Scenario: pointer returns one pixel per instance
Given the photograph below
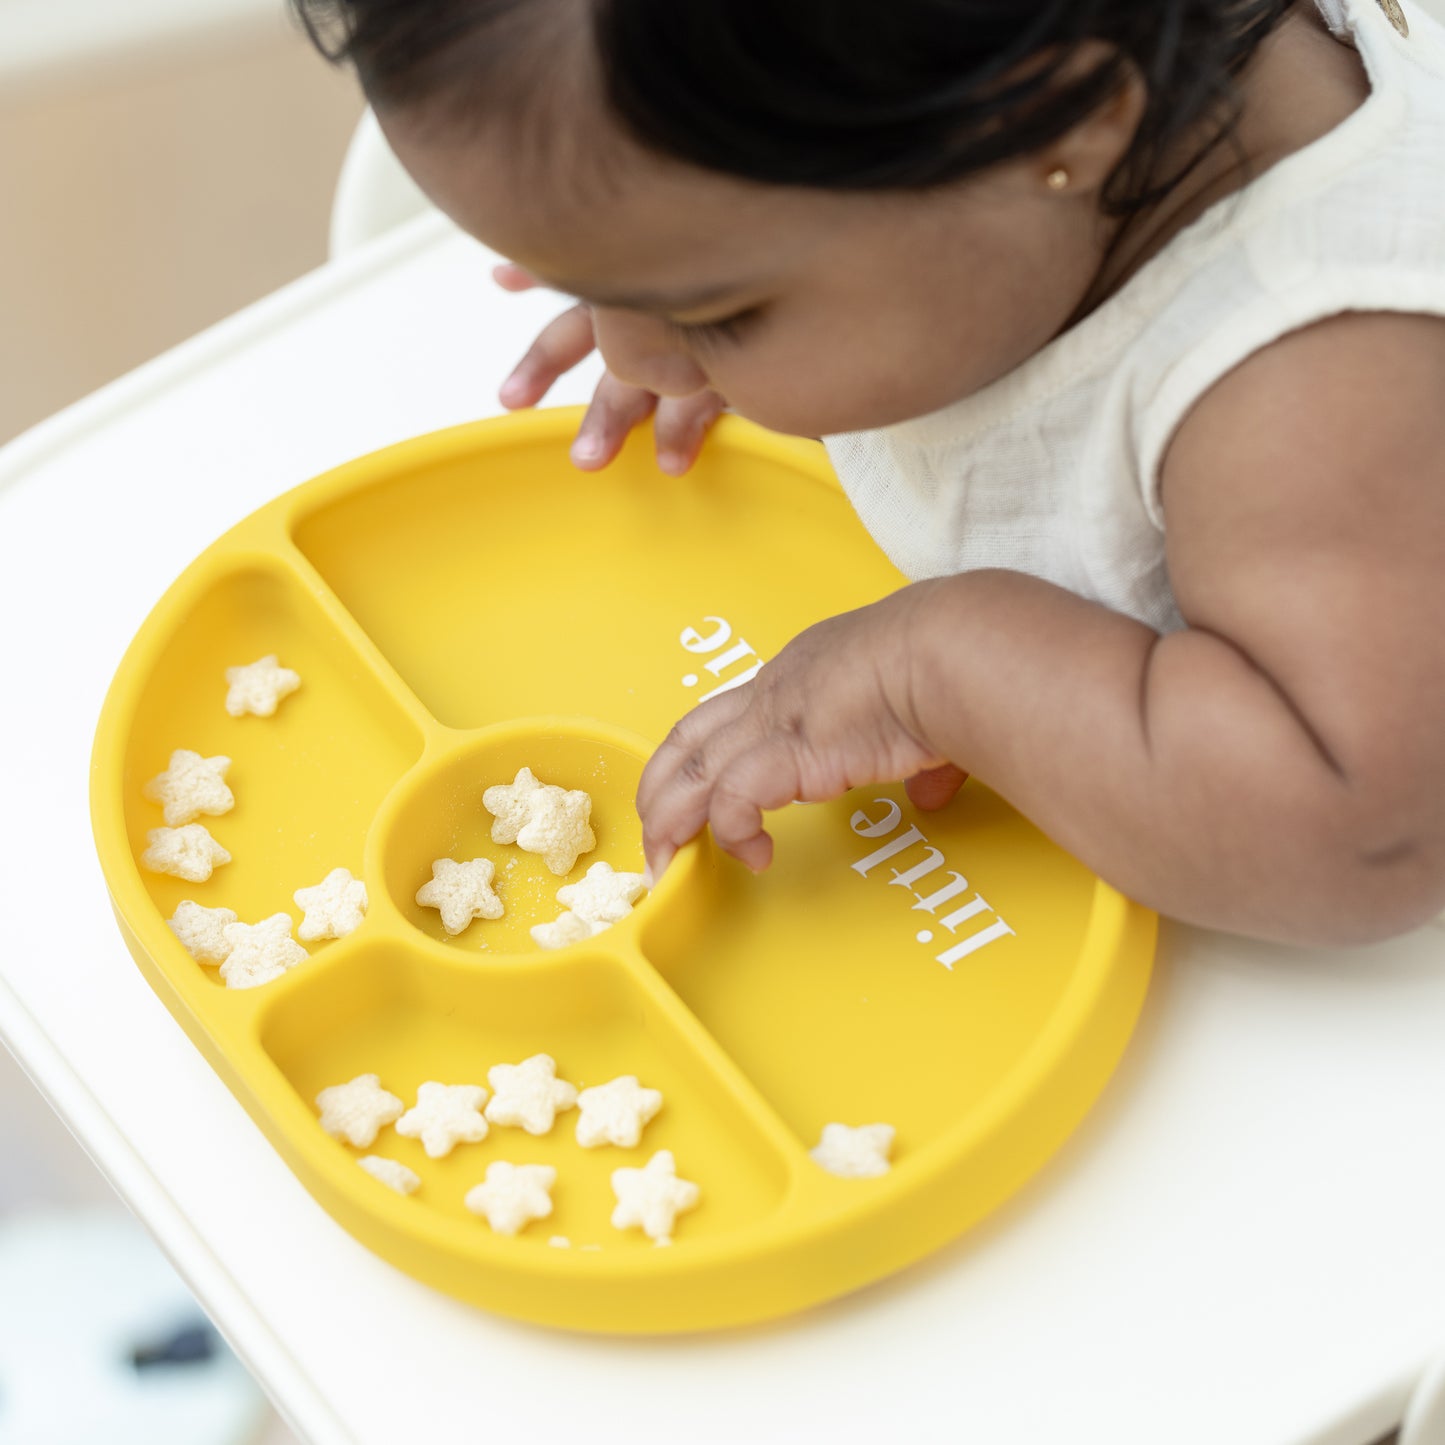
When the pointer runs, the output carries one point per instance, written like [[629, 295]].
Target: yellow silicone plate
[[465, 604]]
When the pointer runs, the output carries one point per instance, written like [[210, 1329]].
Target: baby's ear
[[1090, 151]]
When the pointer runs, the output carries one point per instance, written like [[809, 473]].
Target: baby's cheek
[[830, 389], [794, 401]]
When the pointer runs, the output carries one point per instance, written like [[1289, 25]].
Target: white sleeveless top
[[1053, 469]]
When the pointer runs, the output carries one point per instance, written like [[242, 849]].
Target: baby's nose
[[643, 351]]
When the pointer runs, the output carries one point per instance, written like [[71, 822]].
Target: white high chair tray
[[1242, 1243]]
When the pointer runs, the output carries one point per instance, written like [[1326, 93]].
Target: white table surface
[[1245, 1242]]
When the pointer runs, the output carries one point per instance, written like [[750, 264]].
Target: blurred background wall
[[162, 163]]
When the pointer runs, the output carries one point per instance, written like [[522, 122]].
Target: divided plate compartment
[[466, 604]]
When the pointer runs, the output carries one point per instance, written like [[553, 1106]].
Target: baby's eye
[[726, 328]]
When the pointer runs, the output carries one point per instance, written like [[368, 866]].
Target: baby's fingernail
[[652, 873], [512, 391], [586, 449], [673, 463]]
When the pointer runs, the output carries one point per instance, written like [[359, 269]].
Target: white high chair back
[[373, 192]]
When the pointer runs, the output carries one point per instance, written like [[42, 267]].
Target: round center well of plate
[[440, 813]]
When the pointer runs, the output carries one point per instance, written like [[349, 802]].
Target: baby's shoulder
[[1327, 443]]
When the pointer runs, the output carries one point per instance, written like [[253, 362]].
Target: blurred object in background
[[86, 1298], [101, 1342], [162, 164]]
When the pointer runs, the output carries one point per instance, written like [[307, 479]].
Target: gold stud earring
[[1057, 179]]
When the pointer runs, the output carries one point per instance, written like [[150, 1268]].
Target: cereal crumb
[[445, 1115], [202, 931], [529, 1095], [259, 687], [260, 951], [191, 785], [560, 1241], [461, 892], [333, 908], [542, 818], [860, 1153], [602, 895], [513, 1195], [510, 805], [188, 852], [615, 1112], [652, 1197], [559, 830], [565, 929], [392, 1173], [356, 1111]]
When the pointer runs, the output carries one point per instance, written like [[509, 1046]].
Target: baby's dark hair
[[836, 94]]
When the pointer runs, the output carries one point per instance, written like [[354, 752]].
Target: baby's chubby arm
[[1305, 503], [1278, 768]]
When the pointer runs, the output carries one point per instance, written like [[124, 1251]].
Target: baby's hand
[[566, 340], [831, 712]]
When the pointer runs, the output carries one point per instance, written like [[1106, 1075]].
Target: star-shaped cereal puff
[[189, 852], [860, 1153], [462, 892], [615, 1112], [445, 1115], [202, 931], [356, 1111], [190, 786], [511, 804], [260, 951], [558, 828], [603, 895], [259, 687], [564, 929], [334, 907], [529, 1094], [652, 1197], [513, 1195], [392, 1173]]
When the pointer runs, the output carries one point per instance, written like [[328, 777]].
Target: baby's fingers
[[681, 425], [762, 777], [673, 793], [615, 409], [560, 345], [512, 277]]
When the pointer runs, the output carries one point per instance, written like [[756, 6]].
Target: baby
[[1124, 325]]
